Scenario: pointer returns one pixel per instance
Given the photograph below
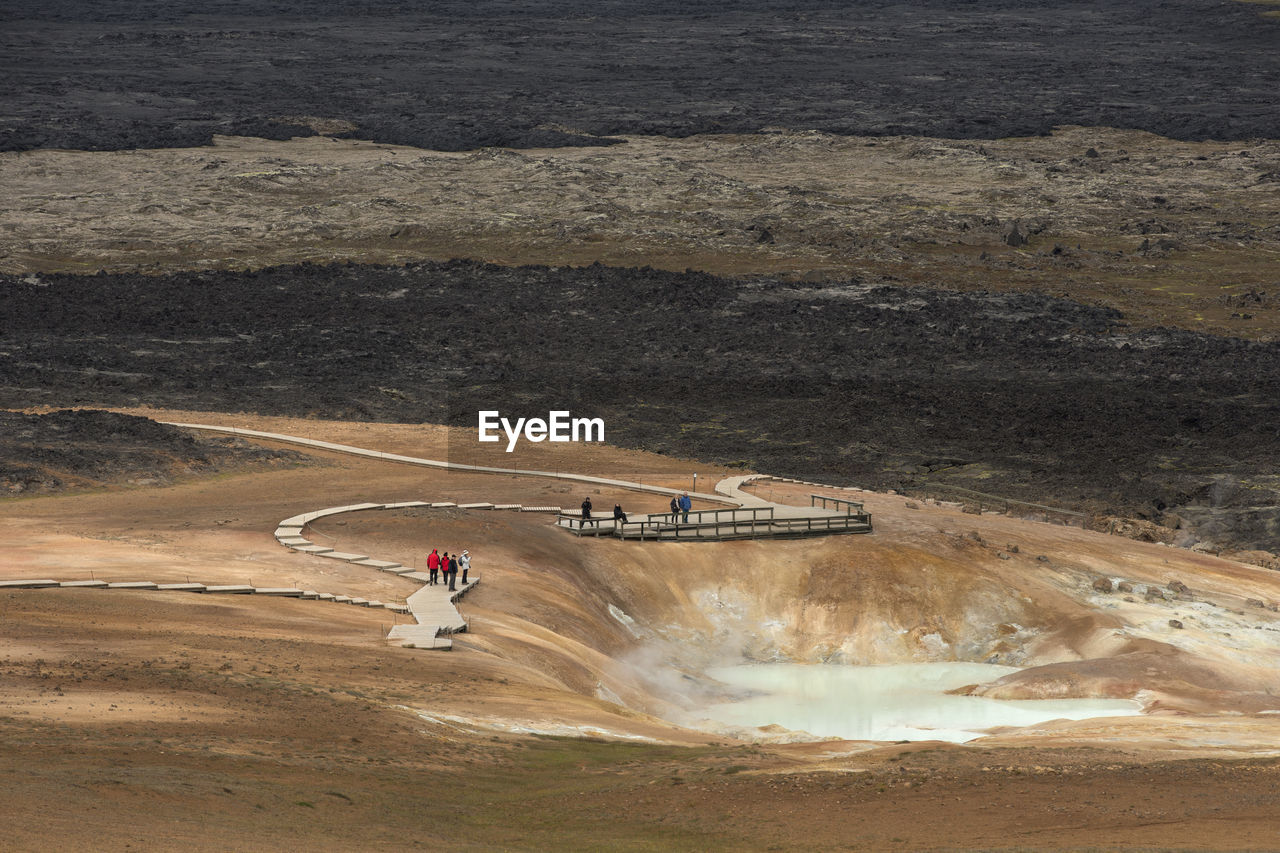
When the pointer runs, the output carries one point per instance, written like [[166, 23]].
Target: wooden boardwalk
[[752, 518], [433, 607]]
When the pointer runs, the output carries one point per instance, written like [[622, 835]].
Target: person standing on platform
[[685, 506], [433, 566], [464, 563], [675, 509], [453, 574], [586, 510]]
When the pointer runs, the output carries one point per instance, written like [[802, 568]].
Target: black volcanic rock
[[43, 453], [453, 75]]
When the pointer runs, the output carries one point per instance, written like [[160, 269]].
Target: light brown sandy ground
[[166, 720], [1171, 233]]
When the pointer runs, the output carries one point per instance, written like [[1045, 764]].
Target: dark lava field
[[1016, 394], [456, 75], [45, 453]]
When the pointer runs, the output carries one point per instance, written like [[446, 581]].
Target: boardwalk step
[[28, 584], [338, 510], [376, 564]]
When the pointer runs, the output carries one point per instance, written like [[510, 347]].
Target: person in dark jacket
[[586, 510], [675, 510], [453, 574], [619, 517]]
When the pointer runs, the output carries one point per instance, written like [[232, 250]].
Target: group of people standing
[[680, 507], [442, 568]]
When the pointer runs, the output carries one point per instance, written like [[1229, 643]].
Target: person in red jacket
[[433, 566]]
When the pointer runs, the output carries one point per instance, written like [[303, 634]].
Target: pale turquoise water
[[893, 702]]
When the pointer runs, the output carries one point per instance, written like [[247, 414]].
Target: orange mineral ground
[[565, 717]]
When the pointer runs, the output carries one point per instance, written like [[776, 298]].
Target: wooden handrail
[[848, 504], [716, 524]]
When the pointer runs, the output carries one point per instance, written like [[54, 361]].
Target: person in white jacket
[[464, 563]]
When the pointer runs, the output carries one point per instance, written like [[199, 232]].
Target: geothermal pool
[[892, 702]]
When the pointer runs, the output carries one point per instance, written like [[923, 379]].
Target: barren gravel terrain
[[1169, 233]]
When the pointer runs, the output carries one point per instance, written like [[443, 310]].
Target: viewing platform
[[760, 520]]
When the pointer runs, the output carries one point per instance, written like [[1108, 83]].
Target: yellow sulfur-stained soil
[[563, 717]]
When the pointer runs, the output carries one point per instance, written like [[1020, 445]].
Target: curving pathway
[[728, 491], [731, 487], [455, 466]]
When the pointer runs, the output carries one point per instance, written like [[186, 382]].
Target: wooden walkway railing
[[849, 506], [722, 523], [718, 524], [859, 522]]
